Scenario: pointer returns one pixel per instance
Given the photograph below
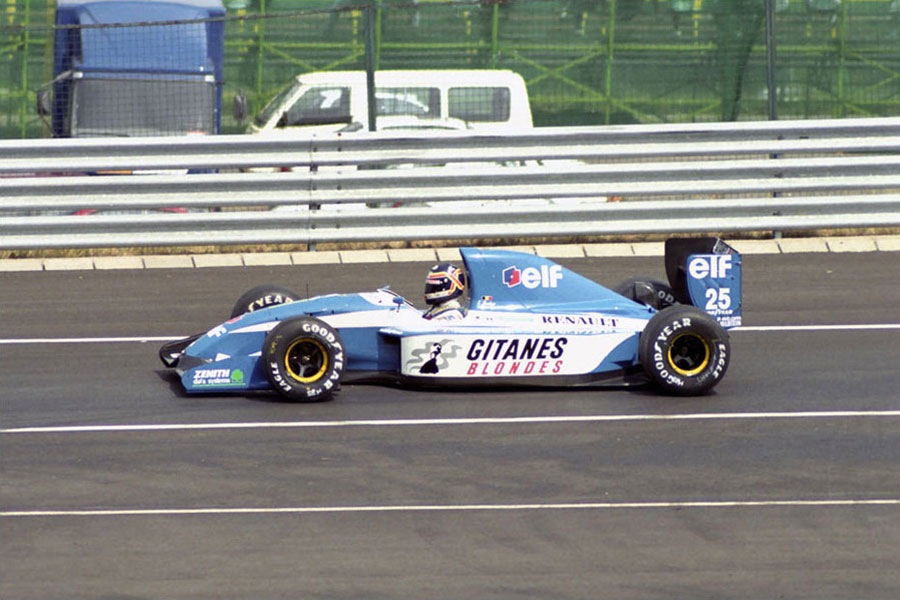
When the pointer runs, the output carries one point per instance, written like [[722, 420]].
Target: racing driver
[[444, 285]]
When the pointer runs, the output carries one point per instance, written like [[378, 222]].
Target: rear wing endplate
[[706, 272]]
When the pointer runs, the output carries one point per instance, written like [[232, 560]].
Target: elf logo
[[547, 276], [715, 266]]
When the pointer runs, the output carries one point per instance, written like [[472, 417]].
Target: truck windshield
[[275, 104], [142, 107]]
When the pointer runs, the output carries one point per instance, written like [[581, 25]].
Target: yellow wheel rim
[[306, 360], [689, 354]]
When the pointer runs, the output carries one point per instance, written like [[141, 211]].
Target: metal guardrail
[[685, 178]]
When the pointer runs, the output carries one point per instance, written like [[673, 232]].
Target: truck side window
[[416, 101], [319, 106], [479, 103]]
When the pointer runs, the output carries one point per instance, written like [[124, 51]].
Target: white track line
[[87, 340], [450, 508], [838, 414], [862, 327]]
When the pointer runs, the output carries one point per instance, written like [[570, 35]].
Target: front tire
[[684, 351], [303, 359]]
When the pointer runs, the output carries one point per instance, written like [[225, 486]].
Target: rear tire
[[303, 359], [684, 351], [647, 291], [262, 296]]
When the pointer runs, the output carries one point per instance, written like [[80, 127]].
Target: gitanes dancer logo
[[433, 357]]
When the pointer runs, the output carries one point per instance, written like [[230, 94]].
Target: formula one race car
[[529, 322]]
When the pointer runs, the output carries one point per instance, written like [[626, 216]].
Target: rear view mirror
[[240, 107], [43, 106]]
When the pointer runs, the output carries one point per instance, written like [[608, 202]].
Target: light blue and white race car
[[529, 321]]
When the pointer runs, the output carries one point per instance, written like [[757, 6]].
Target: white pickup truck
[[330, 101]]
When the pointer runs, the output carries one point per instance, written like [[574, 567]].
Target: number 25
[[718, 299]]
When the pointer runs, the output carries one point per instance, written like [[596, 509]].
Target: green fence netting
[[584, 61]]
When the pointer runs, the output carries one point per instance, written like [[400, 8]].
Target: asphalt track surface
[[785, 483]]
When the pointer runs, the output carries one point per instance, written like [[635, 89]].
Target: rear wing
[[706, 272]]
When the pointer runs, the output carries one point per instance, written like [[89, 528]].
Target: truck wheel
[[262, 296], [647, 291], [684, 351], [303, 359]]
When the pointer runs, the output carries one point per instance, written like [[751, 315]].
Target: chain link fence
[[585, 62]]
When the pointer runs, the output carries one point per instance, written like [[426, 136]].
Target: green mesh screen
[[584, 61]]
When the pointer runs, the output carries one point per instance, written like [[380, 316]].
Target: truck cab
[[136, 68]]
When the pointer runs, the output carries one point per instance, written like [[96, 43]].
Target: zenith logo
[[547, 276]]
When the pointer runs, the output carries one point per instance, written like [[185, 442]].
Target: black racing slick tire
[[262, 296], [684, 351], [303, 359], [648, 291]]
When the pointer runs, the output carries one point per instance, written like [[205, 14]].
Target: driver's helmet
[[445, 282]]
